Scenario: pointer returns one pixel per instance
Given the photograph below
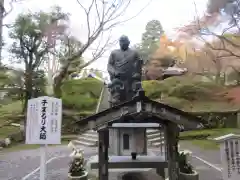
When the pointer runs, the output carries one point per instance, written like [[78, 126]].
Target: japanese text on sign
[[44, 118], [43, 132]]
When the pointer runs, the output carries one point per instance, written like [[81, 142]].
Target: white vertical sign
[[55, 120], [32, 121], [44, 121], [230, 157]]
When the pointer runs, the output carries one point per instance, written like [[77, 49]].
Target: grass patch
[[211, 133], [206, 144], [19, 147], [11, 109], [8, 130]]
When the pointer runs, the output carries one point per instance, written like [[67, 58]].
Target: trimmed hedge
[[206, 133], [220, 119], [180, 87], [81, 94]]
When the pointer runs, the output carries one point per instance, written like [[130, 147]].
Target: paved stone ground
[[205, 171], [211, 156], [16, 165]]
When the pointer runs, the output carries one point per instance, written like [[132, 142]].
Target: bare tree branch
[[107, 14]]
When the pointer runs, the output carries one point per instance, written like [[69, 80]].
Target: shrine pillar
[[171, 135], [103, 144]]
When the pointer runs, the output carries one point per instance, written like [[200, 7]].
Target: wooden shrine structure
[[141, 110]]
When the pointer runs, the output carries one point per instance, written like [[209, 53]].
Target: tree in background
[[150, 39], [30, 45], [15, 84], [64, 69], [100, 19], [168, 54], [36, 36], [222, 48]]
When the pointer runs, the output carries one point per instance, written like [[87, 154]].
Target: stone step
[[84, 143], [154, 135], [152, 131], [157, 139], [90, 138], [90, 135], [87, 139], [157, 144]]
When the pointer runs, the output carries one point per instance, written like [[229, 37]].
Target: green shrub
[[174, 102], [189, 91], [82, 86], [193, 90], [154, 88], [81, 94]]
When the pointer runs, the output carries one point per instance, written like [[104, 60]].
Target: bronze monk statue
[[125, 71]]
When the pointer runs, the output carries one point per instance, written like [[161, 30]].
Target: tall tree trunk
[[28, 88], [28, 94], [59, 79]]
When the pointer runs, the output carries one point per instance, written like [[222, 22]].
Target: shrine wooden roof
[[142, 110]]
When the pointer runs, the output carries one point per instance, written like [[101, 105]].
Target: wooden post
[[161, 171], [145, 142], [172, 133], [103, 144]]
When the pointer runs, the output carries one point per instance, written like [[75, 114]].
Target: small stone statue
[[76, 169], [125, 71]]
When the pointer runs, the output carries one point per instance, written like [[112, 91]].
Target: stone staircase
[[155, 138], [90, 138]]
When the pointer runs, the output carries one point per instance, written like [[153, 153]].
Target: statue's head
[[124, 42]]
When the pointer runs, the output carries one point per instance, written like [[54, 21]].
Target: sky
[[171, 14]]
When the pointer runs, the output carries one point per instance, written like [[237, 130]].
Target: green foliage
[[150, 39], [13, 108], [68, 46], [189, 91], [7, 130], [16, 84], [29, 35], [187, 88], [81, 94], [32, 39], [154, 88], [174, 101], [213, 133], [193, 90], [180, 92], [39, 83]]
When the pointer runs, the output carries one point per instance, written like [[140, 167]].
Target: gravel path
[[16, 165], [206, 172]]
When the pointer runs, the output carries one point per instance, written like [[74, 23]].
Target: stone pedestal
[[83, 177]]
